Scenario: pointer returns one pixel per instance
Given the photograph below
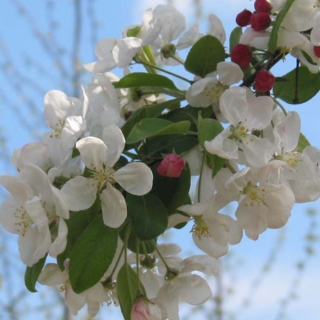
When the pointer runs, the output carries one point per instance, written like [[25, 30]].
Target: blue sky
[[17, 119]]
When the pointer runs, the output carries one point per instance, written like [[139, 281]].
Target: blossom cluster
[[114, 171]]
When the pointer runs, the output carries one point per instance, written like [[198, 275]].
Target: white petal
[[194, 289], [51, 275], [113, 138], [135, 177], [114, 207], [18, 189], [60, 243], [232, 97], [125, 50], [229, 72], [79, 193], [104, 48], [93, 152], [217, 28]]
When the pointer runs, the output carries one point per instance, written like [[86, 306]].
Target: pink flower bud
[[264, 81], [260, 21], [144, 310], [316, 50], [171, 166], [262, 6], [243, 18], [241, 55]]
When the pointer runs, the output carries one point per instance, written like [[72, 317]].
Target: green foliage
[[298, 89], [32, 274], [174, 192], [272, 46], [303, 142], [148, 215], [204, 56], [155, 147], [77, 224], [156, 127], [208, 129], [129, 288], [141, 79], [92, 255], [235, 37]]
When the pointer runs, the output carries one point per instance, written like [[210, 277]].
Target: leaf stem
[[166, 71]]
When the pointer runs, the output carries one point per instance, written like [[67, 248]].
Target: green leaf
[[156, 127], [92, 255], [152, 111], [307, 87], [129, 288], [142, 79], [32, 274], [204, 56], [208, 129], [155, 147], [235, 37], [135, 244], [174, 192], [272, 46], [148, 215], [303, 142], [77, 223]]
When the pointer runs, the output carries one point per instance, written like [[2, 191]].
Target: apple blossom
[[80, 193]]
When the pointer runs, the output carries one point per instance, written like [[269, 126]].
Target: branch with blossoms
[[114, 173]]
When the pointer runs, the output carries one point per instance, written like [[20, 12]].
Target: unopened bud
[[241, 55], [145, 310], [260, 21], [243, 18], [264, 81], [316, 50], [171, 166], [262, 6]]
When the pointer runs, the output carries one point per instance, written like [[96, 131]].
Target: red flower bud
[[262, 6], [171, 166], [316, 50], [243, 18], [260, 21], [264, 81], [241, 55]]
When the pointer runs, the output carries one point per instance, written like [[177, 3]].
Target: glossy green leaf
[[129, 288], [174, 192], [303, 142], [149, 217], [235, 37], [204, 56], [77, 224], [92, 255], [307, 87], [32, 274], [155, 147], [142, 79], [208, 129], [135, 244], [273, 41], [156, 127], [152, 111]]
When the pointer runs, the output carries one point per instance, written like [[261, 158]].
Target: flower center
[[23, 220], [200, 228], [102, 176], [291, 159], [214, 92], [255, 195], [57, 128], [239, 132]]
